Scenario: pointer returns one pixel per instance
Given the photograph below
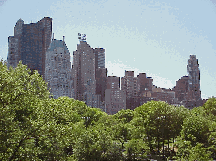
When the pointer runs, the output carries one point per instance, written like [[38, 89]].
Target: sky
[[155, 37]]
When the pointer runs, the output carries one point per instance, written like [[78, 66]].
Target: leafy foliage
[[34, 126]]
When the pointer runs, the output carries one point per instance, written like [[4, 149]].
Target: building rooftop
[[57, 43]]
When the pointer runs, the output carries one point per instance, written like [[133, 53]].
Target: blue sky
[[153, 37]]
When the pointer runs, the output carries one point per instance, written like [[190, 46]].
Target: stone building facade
[[58, 69]]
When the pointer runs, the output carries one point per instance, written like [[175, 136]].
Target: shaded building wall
[[113, 82], [100, 76], [181, 88], [101, 82], [144, 83], [166, 96], [133, 87], [115, 99], [33, 42], [14, 55]]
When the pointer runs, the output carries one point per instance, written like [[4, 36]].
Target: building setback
[[58, 69], [29, 44]]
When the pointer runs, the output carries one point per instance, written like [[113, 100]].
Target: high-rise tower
[[194, 93], [84, 72], [58, 69], [129, 84], [29, 44], [194, 77]]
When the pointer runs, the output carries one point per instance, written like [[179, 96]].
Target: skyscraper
[[194, 78], [29, 44], [58, 69], [89, 74], [84, 73], [194, 93], [129, 84]]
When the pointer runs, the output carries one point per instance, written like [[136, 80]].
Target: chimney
[[63, 38], [53, 36]]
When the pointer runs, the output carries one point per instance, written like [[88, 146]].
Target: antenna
[[82, 37]]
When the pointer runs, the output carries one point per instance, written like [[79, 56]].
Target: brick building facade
[[115, 99]]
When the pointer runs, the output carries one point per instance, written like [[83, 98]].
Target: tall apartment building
[[145, 83], [89, 74], [194, 78], [145, 86], [100, 76], [58, 69], [194, 93], [84, 74], [29, 44], [181, 88], [115, 99], [131, 86], [163, 94]]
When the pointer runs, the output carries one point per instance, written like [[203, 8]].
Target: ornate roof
[[57, 43]]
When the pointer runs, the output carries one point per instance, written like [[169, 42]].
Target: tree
[[126, 115], [186, 151], [196, 129], [136, 149], [160, 122], [210, 106], [95, 143], [24, 111]]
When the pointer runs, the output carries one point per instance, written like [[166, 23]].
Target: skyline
[[154, 38]]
